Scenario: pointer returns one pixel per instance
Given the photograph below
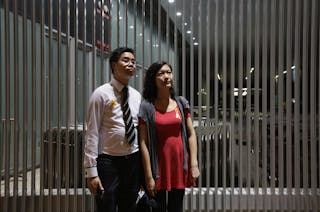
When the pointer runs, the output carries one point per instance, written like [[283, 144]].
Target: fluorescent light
[[178, 13], [171, 1]]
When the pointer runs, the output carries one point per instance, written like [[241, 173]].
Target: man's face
[[125, 67]]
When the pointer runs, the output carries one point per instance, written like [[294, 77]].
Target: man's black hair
[[115, 54]]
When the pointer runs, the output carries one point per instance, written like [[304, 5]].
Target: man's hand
[[94, 185]]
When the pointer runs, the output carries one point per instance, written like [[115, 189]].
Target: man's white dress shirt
[[105, 126]]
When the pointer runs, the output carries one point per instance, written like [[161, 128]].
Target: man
[[111, 157]]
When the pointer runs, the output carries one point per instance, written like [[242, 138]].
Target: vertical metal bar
[[2, 91], [216, 100], [135, 24], [232, 104], [15, 108], [183, 32], [224, 102], [198, 22], [75, 98], [118, 23], [264, 100], [240, 104], [34, 116], [288, 105], [108, 44], [7, 106], [49, 110], [42, 99], [249, 70], [102, 71], [151, 32], [101, 36], [313, 113], [191, 56], [305, 100], [200, 93], [143, 42], [93, 29], [192, 72], [126, 23], [297, 117], [58, 141], [24, 102], [33, 107], [175, 43], [68, 109], [167, 34], [208, 106], [159, 32], [208, 58], [93, 70], [318, 117], [272, 126], [143, 16], [280, 105], [257, 102], [84, 103]]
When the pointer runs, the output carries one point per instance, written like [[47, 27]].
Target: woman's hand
[[194, 173], [151, 186]]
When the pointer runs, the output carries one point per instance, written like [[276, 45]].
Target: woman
[[167, 140]]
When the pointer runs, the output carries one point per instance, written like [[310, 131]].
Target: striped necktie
[[127, 116]]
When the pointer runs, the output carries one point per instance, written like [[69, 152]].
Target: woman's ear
[[112, 65]]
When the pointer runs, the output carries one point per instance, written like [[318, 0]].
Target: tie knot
[[124, 89]]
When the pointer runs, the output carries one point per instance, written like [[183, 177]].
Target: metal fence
[[250, 69]]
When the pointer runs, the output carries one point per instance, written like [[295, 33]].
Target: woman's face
[[164, 77]]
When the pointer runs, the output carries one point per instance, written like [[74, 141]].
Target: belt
[[118, 157]]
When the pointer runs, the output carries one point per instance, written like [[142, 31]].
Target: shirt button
[[121, 142]]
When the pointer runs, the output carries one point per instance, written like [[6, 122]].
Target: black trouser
[[172, 203], [119, 176]]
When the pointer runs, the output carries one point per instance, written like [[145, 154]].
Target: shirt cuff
[[91, 172]]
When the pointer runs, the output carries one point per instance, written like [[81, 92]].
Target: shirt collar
[[118, 85]]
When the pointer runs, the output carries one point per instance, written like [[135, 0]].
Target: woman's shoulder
[[182, 100], [146, 103]]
